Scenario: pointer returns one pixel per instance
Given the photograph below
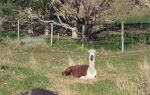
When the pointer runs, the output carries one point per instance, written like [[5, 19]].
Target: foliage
[[9, 11], [6, 34], [93, 13]]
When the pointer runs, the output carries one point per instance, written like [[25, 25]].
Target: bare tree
[[86, 12], [70, 13], [142, 2]]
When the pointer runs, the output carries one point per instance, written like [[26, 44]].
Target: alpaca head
[[92, 55]]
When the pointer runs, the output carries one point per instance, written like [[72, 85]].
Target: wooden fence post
[[51, 34], [122, 36]]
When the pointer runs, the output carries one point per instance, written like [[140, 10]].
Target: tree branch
[[52, 21]]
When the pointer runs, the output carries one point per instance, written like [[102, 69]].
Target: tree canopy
[[70, 12]]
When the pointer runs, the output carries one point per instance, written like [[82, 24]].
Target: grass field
[[25, 68]]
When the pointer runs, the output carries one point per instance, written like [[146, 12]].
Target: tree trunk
[[30, 28], [88, 32], [46, 30], [74, 33], [1, 23]]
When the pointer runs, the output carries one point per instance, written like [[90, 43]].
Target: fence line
[[104, 38]]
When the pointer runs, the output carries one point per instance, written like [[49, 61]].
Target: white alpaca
[[91, 72]]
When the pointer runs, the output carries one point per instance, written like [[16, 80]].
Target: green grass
[[25, 68], [6, 35], [132, 20], [14, 78], [100, 88]]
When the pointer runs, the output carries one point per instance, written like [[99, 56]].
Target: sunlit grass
[[24, 68]]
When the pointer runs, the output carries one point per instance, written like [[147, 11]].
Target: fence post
[[122, 36], [83, 30], [18, 37], [51, 34], [57, 36]]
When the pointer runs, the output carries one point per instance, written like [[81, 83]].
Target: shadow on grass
[[39, 91]]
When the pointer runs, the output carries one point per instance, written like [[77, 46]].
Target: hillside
[[128, 11], [120, 9]]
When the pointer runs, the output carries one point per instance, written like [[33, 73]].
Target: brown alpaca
[[76, 71], [83, 71]]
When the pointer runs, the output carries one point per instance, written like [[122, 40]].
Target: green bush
[[6, 34]]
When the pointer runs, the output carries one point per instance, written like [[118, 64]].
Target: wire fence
[[106, 36]]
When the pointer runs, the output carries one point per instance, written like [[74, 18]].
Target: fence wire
[[106, 36]]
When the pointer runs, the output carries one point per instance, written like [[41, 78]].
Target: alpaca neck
[[91, 66]]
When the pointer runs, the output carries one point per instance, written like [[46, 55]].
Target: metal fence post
[[122, 36], [51, 34], [83, 30], [58, 36], [18, 35]]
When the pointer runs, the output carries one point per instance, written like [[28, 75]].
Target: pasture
[[24, 68]]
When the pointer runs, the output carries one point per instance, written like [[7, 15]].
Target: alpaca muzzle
[[91, 57]]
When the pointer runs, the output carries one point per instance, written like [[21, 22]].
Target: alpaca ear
[[89, 51], [92, 50]]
